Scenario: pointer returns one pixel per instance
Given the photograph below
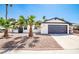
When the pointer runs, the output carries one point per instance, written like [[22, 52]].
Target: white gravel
[[67, 41]]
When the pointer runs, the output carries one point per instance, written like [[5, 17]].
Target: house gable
[[57, 21]]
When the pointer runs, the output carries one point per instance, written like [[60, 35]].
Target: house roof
[[57, 20]]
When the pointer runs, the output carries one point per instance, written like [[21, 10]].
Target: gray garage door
[[57, 29]]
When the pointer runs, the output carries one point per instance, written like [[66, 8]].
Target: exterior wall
[[28, 27], [71, 29], [33, 29], [44, 28], [67, 28], [27, 30]]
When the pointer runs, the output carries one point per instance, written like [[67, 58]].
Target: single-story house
[[56, 26], [26, 29]]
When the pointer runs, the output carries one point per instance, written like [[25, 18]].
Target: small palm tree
[[77, 27], [21, 22], [6, 24], [6, 21], [12, 19], [13, 23], [44, 18], [38, 24], [31, 23]]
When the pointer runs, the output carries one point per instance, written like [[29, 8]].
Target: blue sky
[[69, 12]]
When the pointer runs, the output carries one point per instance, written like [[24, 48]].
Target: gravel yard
[[22, 42]]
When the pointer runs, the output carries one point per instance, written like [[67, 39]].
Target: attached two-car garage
[[55, 26], [57, 29]]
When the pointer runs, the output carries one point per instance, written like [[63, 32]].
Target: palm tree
[[21, 22], [37, 24], [31, 23], [13, 23], [43, 18], [7, 9], [6, 24], [77, 27], [12, 19]]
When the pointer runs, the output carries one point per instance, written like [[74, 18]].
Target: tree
[[21, 22], [77, 27], [5, 21], [38, 23], [31, 23], [43, 18], [12, 19], [6, 24], [7, 9], [13, 23]]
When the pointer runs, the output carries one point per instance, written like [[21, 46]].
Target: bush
[[78, 28]]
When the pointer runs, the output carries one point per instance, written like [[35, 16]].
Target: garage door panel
[[57, 29]]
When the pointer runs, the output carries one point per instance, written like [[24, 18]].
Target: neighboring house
[[56, 26], [2, 29], [34, 29], [75, 26], [26, 29]]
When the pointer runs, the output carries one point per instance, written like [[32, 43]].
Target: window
[[25, 28], [35, 27]]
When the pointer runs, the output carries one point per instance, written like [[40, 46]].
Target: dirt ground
[[21, 41]]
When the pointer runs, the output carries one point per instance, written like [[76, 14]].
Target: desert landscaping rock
[[22, 42]]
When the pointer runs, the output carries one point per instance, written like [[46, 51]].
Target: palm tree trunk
[[6, 30], [5, 33], [30, 31], [6, 11]]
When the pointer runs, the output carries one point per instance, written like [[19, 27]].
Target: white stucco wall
[[28, 27], [44, 28], [71, 29], [27, 30]]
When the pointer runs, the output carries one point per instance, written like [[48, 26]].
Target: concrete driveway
[[67, 41]]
